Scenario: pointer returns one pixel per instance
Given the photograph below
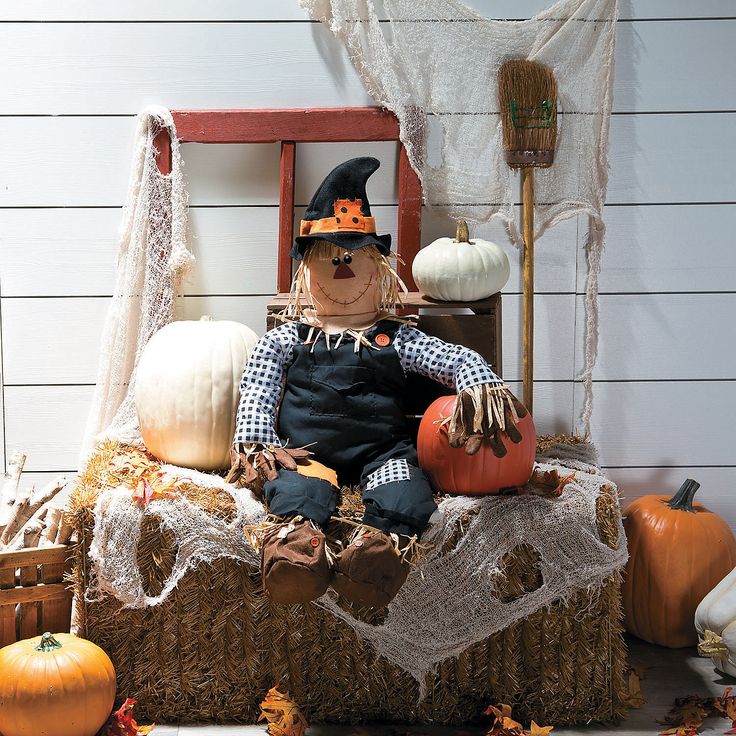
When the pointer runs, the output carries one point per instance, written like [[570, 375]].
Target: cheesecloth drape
[[435, 63], [153, 257]]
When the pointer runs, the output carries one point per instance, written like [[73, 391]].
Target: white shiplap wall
[[73, 75]]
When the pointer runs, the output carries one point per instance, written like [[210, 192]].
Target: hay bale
[[212, 649]]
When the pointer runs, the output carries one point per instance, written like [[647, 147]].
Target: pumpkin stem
[[683, 499], [461, 233], [48, 643]]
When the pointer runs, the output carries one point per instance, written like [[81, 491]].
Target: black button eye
[[336, 261], [343, 209], [348, 258]]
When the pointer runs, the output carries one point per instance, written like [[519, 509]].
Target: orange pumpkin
[[452, 470], [55, 685], [678, 552]]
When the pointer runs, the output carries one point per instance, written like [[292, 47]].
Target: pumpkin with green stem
[[678, 551], [55, 685]]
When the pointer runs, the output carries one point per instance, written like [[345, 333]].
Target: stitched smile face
[[342, 280]]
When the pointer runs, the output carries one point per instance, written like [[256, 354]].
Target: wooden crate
[[33, 596]]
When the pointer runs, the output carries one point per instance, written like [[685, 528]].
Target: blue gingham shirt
[[262, 384]]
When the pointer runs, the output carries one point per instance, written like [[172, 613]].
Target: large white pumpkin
[[715, 621], [460, 270], [187, 390]]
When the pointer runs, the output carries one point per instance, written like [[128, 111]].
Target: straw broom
[[527, 93]]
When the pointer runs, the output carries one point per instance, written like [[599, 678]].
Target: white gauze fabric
[[453, 603], [200, 537], [435, 64], [445, 606], [152, 260]]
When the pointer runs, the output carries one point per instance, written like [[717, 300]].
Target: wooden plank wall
[[74, 74]]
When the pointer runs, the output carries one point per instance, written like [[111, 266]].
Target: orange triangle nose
[[343, 271]]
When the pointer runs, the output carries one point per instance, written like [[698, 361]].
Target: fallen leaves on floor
[[687, 714], [726, 706], [504, 725], [632, 696], [122, 723], [282, 714]]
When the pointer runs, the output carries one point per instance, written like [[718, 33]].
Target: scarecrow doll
[[326, 388]]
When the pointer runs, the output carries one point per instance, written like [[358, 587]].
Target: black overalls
[[347, 407]]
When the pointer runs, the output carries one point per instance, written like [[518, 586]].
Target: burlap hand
[[253, 464], [484, 412]]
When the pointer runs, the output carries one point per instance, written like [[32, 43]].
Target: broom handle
[[527, 198]]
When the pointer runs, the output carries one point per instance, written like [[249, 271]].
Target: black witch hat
[[340, 212]]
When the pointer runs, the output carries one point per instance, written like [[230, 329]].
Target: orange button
[[382, 340], [314, 541]]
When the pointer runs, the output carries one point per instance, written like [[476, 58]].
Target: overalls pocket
[[343, 391]]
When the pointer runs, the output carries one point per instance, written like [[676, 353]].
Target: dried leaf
[[680, 731], [726, 705], [632, 697], [146, 492], [548, 483], [536, 730], [122, 723], [282, 714], [503, 724], [687, 715]]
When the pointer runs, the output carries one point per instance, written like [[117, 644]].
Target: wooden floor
[[669, 674]]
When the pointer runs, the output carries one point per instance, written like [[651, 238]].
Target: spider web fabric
[[152, 259], [435, 65]]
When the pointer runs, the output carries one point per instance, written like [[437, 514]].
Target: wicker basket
[[214, 647]]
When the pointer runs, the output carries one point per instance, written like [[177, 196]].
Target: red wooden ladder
[[307, 125]]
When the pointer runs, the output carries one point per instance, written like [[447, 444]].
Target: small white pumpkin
[[460, 270], [187, 390], [715, 621]]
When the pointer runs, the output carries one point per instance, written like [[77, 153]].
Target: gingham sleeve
[[451, 365], [261, 386]]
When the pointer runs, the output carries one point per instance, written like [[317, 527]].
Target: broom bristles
[[527, 94]]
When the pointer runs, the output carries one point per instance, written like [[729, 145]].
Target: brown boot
[[294, 563], [370, 571]]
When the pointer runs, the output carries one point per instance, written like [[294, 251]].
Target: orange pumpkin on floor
[[452, 470], [678, 552], [55, 685]]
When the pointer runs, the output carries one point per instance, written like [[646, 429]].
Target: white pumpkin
[[460, 270], [715, 621], [187, 391]]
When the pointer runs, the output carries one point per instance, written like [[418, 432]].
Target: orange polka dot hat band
[[348, 218]]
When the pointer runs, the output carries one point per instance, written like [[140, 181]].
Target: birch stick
[[66, 529], [48, 492], [27, 508], [17, 518], [32, 533], [9, 490], [40, 515], [53, 519]]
